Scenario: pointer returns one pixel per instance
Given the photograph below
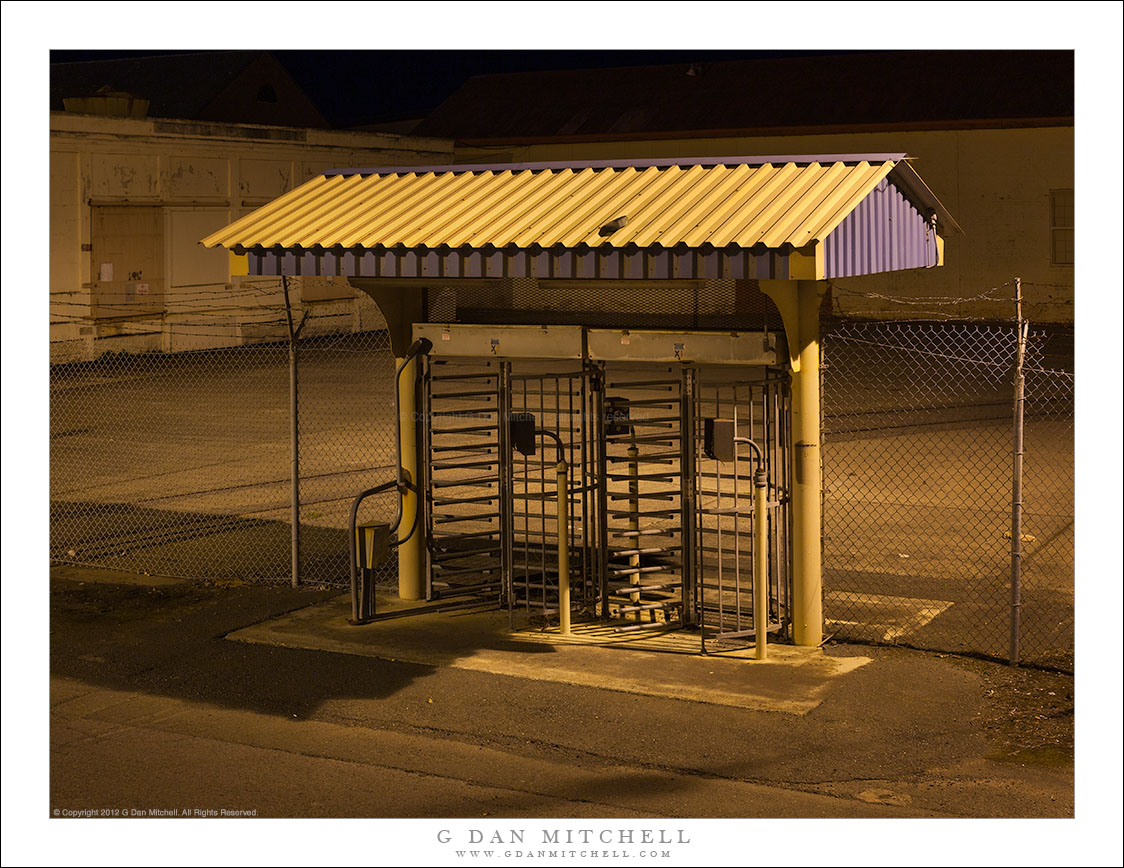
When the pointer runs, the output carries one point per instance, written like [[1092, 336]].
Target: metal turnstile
[[462, 440], [660, 535], [644, 488]]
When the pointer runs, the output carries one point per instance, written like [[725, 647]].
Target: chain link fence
[[919, 428], [1047, 625], [346, 426], [179, 463]]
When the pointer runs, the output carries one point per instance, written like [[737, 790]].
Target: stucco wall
[[203, 176]]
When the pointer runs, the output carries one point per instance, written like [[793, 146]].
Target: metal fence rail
[[919, 475]]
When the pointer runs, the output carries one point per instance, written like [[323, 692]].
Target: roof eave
[[914, 187]]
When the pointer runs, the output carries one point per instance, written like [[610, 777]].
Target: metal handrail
[[357, 616]]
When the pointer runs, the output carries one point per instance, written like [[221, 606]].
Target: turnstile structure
[[660, 533]]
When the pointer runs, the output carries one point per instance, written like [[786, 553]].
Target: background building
[[131, 196], [992, 133]]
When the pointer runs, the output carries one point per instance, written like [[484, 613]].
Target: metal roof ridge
[[753, 160]]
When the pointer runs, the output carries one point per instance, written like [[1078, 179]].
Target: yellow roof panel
[[771, 204]]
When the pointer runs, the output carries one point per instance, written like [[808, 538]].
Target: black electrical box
[[617, 421], [521, 430], [718, 439]]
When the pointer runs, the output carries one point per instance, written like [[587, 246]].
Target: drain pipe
[[760, 553]]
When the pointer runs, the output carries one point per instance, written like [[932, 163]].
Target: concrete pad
[[792, 680], [889, 618]]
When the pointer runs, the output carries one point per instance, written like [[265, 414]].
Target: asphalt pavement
[[153, 707]]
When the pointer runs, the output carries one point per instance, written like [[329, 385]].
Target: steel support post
[[807, 596], [411, 554], [799, 304]]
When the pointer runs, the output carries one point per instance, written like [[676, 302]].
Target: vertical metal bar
[[769, 433], [526, 516], [602, 490], [760, 568], [698, 591], [719, 551], [737, 506], [505, 466], [294, 448], [581, 431], [687, 507], [634, 518], [789, 522], [571, 447], [563, 546], [697, 597], [698, 521], [542, 492], [1017, 477], [294, 442], [425, 494]]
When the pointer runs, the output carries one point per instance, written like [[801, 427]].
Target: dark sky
[[357, 87]]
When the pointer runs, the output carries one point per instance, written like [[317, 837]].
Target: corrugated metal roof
[[740, 203]]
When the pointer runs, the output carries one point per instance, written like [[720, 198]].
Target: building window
[[1061, 227], [266, 93]]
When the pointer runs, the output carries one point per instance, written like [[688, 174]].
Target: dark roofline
[[762, 132]]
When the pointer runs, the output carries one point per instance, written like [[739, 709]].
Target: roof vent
[[613, 225]]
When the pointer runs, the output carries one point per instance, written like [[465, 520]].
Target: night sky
[[413, 83]]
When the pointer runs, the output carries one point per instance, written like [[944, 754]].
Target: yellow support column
[[799, 304], [411, 554], [807, 592]]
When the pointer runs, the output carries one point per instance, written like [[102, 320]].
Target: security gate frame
[[647, 507], [761, 411]]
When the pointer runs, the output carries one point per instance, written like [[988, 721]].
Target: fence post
[[1017, 477], [294, 434]]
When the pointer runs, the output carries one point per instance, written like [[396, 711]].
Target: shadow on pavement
[[170, 640]]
